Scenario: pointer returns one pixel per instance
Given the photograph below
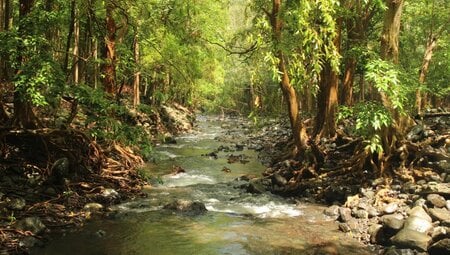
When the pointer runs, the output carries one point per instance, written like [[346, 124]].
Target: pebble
[[440, 214], [436, 200]]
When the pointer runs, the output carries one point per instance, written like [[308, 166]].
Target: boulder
[[411, 239], [376, 233], [332, 211], [418, 211], [258, 185], [441, 247], [418, 224], [187, 207]]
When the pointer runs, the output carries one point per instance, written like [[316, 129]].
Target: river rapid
[[237, 222]]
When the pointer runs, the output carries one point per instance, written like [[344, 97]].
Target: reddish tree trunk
[[421, 98]]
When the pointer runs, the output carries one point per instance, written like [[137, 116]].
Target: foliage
[[109, 121], [369, 119]]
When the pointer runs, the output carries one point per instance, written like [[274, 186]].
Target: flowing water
[[237, 222]]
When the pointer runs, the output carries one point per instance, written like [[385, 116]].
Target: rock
[[390, 208], [440, 214], [395, 251], [186, 206], [376, 233], [28, 242], [93, 207], [345, 214], [277, 179], [438, 188], [411, 239], [436, 200], [420, 202], [50, 191], [61, 168], [418, 211], [16, 204], [332, 211], [418, 224], [100, 233], [257, 185], [344, 227], [361, 214], [372, 212], [110, 194], [393, 221], [32, 224], [447, 204], [439, 232], [441, 247]]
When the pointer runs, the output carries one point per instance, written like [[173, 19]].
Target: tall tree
[[24, 115], [109, 54]]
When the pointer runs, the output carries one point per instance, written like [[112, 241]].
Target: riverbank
[[407, 213], [53, 179]]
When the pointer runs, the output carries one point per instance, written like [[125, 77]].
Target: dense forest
[[88, 87]]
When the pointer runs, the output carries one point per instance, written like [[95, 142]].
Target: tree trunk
[[391, 30], [109, 67], [431, 45], [76, 47], [24, 116], [298, 130], [325, 125], [137, 75], [69, 35]]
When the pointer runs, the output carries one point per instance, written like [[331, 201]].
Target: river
[[237, 222]]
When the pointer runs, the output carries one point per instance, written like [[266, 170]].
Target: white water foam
[[185, 179], [269, 210]]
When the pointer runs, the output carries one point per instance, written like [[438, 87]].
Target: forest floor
[[53, 179], [406, 211]]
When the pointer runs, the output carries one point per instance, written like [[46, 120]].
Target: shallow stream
[[237, 222]]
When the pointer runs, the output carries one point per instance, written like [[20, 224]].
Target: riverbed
[[237, 222]]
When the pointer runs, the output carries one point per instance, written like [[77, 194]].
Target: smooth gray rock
[[361, 214], [440, 248], [436, 200], [32, 224], [393, 221], [411, 239]]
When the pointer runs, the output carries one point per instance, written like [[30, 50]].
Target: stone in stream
[[345, 214], [332, 211], [93, 207], [440, 248], [393, 221], [32, 224], [441, 214], [185, 206], [418, 224], [436, 200], [418, 211], [411, 239]]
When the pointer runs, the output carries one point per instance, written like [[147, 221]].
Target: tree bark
[[69, 35], [76, 47], [109, 67], [421, 98], [298, 130], [137, 75], [327, 99], [391, 30]]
